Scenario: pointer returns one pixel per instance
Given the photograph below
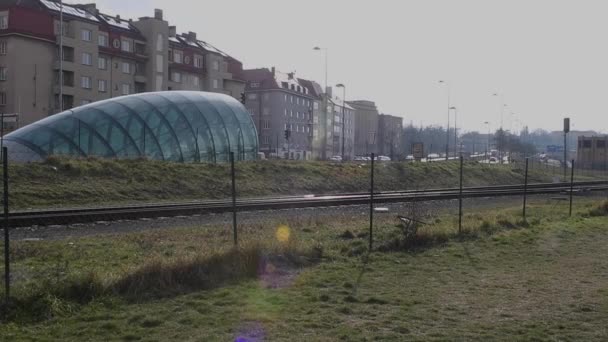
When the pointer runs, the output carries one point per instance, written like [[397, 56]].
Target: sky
[[546, 59]]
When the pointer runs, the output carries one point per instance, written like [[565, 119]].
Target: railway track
[[87, 215]]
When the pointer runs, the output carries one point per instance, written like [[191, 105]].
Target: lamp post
[[455, 130], [502, 111], [487, 123], [61, 56], [343, 116], [325, 101], [447, 142]]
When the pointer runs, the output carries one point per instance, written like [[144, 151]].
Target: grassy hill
[[69, 182]]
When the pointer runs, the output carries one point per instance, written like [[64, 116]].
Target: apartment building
[[366, 126], [280, 102], [340, 127], [390, 132], [102, 56]]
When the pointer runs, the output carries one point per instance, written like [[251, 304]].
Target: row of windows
[[3, 48], [3, 73], [598, 143], [294, 87], [176, 56], [102, 63], [86, 82], [298, 128], [296, 100], [303, 115], [103, 40]]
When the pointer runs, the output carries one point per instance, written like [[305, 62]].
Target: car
[[383, 158], [360, 159], [410, 157], [493, 160], [433, 156], [336, 159]]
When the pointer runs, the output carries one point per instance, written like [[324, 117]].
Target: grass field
[[71, 182], [306, 280]]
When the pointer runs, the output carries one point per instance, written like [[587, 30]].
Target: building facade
[[592, 152], [102, 56], [340, 128], [366, 127], [390, 130], [278, 103]]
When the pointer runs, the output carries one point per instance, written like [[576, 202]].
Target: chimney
[[172, 31], [118, 17], [158, 14], [329, 92], [274, 71], [191, 37], [290, 75], [91, 8]]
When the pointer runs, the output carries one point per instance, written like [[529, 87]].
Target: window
[[178, 57], [2, 98], [102, 40], [291, 97], [3, 21], [252, 96], [85, 102], [87, 58], [125, 46], [266, 124], [196, 81], [2, 47], [102, 63], [291, 113], [215, 65], [297, 115], [102, 85], [85, 82], [176, 77], [285, 111], [3, 73], [266, 140], [126, 89], [266, 111], [126, 67], [86, 35], [297, 100], [601, 144], [285, 97], [198, 62], [159, 63], [215, 84], [159, 42]]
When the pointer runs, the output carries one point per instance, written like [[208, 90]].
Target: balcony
[[67, 40], [67, 65], [67, 90]]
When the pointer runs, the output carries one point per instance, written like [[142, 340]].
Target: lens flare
[[283, 234]]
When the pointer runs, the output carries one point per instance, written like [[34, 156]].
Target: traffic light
[[287, 134], [243, 98]]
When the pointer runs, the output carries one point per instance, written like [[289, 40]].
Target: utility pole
[[61, 56], [447, 142], [566, 131]]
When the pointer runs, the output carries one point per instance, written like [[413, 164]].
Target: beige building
[[592, 153], [366, 127], [103, 56]]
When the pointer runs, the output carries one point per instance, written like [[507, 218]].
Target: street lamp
[[325, 101], [343, 115], [487, 123], [447, 143], [455, 130]]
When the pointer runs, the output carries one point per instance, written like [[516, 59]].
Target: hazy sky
[[548, 58]]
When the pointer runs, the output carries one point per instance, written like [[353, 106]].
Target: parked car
[[383, 158], [336, 159], [410, 157], [493, 160], [433, 156], [360, 159]]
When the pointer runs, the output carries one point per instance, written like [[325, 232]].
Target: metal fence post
[[460, 197], [525, 189], [571, 186], [371, 206], [233, 176], [7, 270]]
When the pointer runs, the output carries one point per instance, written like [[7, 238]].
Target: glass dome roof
[[180, 126]]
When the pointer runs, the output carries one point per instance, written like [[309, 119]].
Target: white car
[[383, 158], [433, 156], [409, 157], [336, 159], [360, 159]]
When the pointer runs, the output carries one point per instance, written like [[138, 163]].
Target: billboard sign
[[418, 150]]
